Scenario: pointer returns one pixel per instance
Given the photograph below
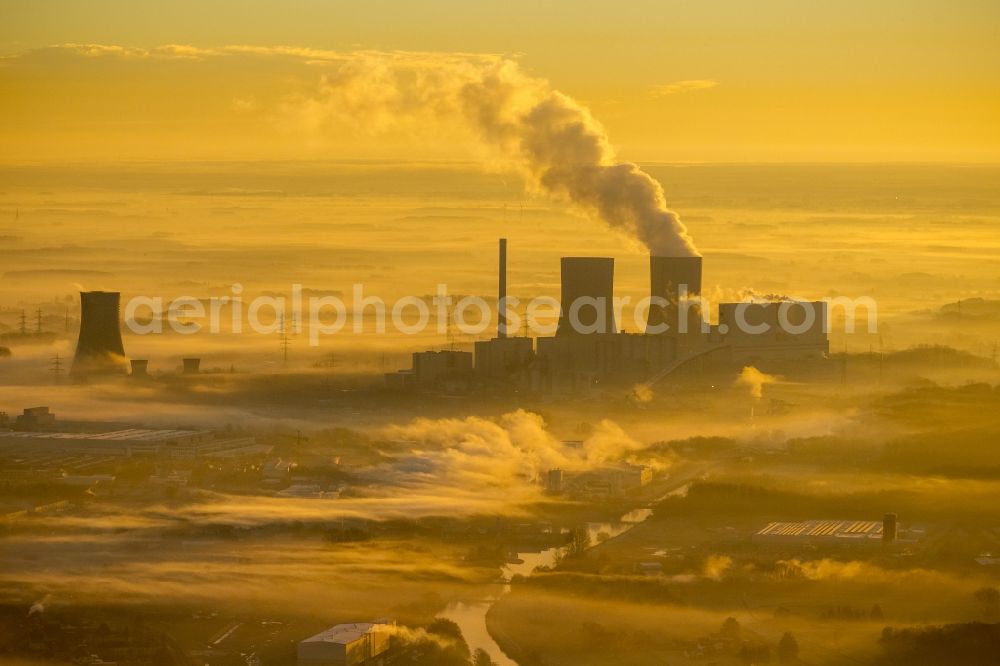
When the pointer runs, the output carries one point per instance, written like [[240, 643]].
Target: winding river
[[470, 616]]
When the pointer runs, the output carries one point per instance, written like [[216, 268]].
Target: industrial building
[[594, 354], [131, 442], [831, 532], [605, 481], [346, 644], [802, 334], [35, 418], [588, 351], [446, 370], [504, 361]]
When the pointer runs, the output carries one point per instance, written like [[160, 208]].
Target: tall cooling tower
[[667, 277], [99, 348], [587, 278]]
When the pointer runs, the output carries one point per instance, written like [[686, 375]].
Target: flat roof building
[[443, 370], [133, 441], [345, 644], [845, 532], [607, 480], [35, 418]]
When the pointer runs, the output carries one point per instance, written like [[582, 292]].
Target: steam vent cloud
[[755, 380], [562, 149]]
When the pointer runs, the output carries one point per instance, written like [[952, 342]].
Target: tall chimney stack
[[99, 348], [589, 283], [502, 292], [888, 529]]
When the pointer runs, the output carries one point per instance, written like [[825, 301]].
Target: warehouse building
[[346, 644], [883, 532], [614, 479], [133, 442]]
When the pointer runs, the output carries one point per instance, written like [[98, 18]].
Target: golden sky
[[721, 81]]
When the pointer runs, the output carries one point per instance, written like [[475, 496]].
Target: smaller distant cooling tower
[[140, 367], [192, 366], [671, 278], [588, 293], [99, 349]]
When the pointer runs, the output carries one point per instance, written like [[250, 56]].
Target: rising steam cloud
[[506, 455], [755, 380], [554, 140]]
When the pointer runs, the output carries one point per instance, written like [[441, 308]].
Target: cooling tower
[[140, 367], [588, 282], [192, 366], [99, 349], [670, 278]]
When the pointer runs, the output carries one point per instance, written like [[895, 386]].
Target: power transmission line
[[284, 340], [57, 367]]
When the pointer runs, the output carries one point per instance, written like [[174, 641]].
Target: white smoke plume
[[418, 635], [641, 394], [856, 571], [508, 454], [40, 605], [553, 139], [716, 567], [755, 380]]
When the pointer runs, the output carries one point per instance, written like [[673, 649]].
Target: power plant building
[[443, 370], [505, 361], [776, 329], [574, 363], [588, 352], [584, 358]]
